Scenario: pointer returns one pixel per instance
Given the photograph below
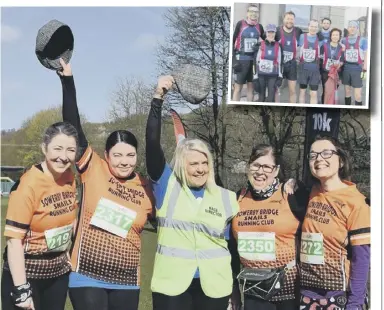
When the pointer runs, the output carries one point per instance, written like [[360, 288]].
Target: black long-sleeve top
[[71, 112], [155, 158]]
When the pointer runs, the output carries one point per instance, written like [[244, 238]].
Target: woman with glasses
[[335, 241], [265, 231]]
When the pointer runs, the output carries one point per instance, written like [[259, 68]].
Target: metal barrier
[[6, 188]]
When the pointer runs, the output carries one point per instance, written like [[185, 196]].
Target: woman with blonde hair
[[192, 267]]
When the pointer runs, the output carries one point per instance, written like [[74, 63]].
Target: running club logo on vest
[[128, 194], [61, 203], [319, 212], [257, 217]]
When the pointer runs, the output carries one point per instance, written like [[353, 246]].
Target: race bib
[[330, 63], [352, 55], [312, 248], [288, 56], [266, 66], [257, 245], [113, 217], [58, 239], [249, 44], [309, 55]]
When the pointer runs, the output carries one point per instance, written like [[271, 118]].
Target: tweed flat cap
[[54, 40], [193, 83]]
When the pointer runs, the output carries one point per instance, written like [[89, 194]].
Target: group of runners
[[263, 57], [313, 243]]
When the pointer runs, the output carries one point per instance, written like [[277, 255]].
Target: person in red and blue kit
[[355, 67], [309, 59], [288, 36], [331, 53], [268, 65], [246, 39]]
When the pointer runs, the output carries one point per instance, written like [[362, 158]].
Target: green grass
[[147, 258]]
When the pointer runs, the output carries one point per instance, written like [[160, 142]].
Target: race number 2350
[[256, 246]]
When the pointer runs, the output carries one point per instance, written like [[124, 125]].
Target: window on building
[[302, 12]]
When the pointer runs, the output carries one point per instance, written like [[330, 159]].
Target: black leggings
[[192, 299], [96, 298], [251, 303], [267, 82], [47, 294]]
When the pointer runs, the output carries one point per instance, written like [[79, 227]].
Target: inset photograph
[[300, 55]]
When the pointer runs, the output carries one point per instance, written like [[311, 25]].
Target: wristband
[[21, 293]]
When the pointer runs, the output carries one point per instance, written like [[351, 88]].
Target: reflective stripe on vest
[[282, 40], [175, 195], [355, 46], [190, 254], [190, 237], [188, 226]]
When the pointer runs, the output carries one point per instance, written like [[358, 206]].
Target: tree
[[200, 36], [131, 96], [32, 133], [33, 129]]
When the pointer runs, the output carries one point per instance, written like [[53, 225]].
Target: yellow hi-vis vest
[[191, 236]]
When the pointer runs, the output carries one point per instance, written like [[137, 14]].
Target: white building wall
[[269, 13], [319, 12], [337, 15], [240, 12], [354, 13]]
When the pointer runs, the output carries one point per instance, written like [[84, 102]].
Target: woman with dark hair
[[331, 54], [39, 225], [265, 234], [116, 203], [335, 242]]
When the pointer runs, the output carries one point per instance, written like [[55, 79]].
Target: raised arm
[[70, 110], [155, 159]]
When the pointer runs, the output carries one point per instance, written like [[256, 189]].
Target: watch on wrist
[[21, 293]]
